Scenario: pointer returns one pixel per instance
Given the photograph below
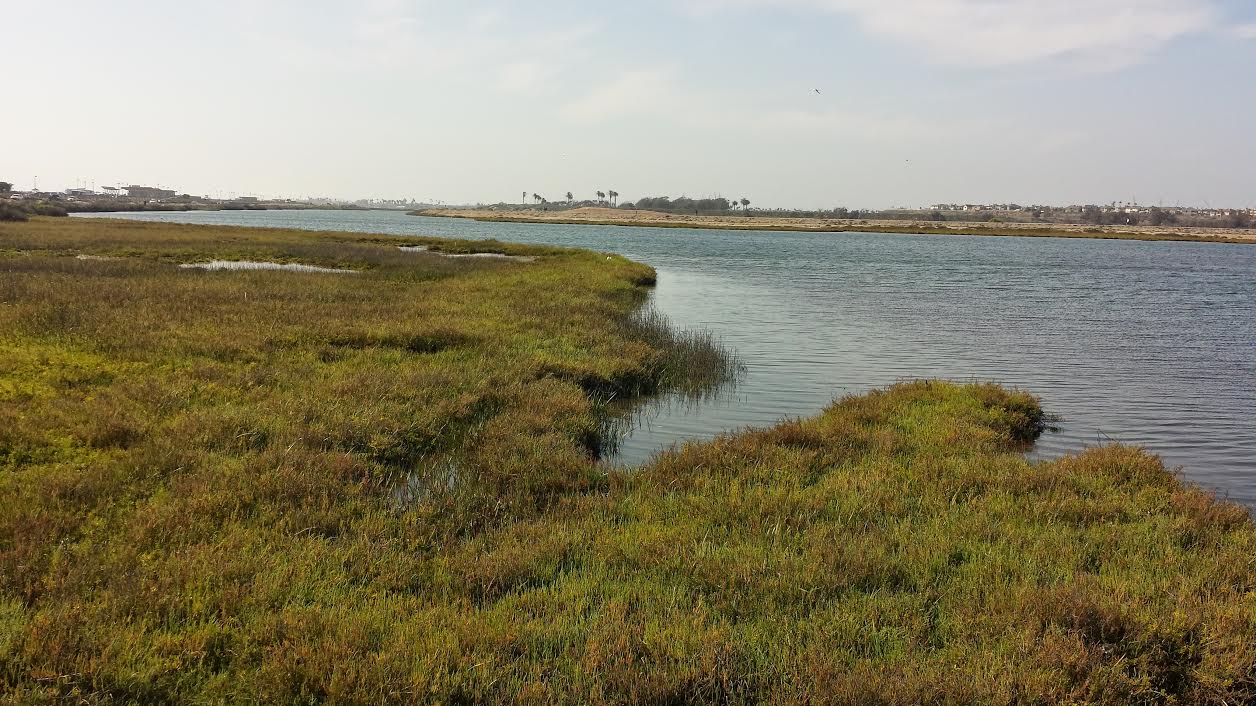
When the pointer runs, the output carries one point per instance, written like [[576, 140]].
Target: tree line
[[1095, 215], [1089, 215], [666, 204], [686, 205], [609, 197]]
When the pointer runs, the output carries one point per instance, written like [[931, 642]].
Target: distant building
[[149, 193]]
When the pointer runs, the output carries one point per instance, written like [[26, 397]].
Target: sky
[[789, 103]]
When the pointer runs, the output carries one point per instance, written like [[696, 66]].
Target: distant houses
[[975, 207]]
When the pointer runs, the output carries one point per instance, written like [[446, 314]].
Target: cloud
[[631, 93], [854, 124], [656, 93], [386, 37], [488, 17], [414, 38], [1244, 31], [1092, 34], [523, 76]]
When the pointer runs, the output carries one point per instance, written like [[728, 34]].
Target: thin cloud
[[414, 38], [1091, 34], [1245, 31], [523, 76], [851, 124], [631, 93], [655, 93]]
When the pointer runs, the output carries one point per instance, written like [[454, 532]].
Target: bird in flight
[[817, 91]]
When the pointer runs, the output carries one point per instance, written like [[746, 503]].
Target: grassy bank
[[806, 225], [22, 211], [294, 488], [113, 205]]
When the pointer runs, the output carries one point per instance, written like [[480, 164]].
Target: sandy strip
[[614, 216]]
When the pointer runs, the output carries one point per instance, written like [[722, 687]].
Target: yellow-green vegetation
[[294, 488]]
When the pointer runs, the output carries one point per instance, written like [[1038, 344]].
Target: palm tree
[[525, 197], [601, 196], [570, 197], [745, 203], [614, 197]]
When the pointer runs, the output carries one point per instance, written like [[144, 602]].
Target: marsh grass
[[691, 362], [199, 477], [694, 367], [22, 211]]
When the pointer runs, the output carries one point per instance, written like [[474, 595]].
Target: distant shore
[[654, 219], [136, 207]]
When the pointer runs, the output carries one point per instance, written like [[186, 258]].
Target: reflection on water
[[1144, 343], [238, 265], [472, 255], [637, 428]]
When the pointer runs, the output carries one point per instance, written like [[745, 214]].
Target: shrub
[[10, 211]]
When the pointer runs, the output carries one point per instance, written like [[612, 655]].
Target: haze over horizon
[[791, 103]]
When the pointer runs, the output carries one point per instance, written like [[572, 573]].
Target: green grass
[[289, 488]]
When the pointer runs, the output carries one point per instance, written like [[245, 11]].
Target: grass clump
[[301, 488], [22, 211]]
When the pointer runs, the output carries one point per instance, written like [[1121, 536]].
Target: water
[[472, 255], [245, 265], [1150, 343]]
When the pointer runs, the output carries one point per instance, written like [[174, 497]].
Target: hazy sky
[[921, 101]]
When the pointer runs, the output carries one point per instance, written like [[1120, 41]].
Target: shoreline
[[652, 219], [96, 208]]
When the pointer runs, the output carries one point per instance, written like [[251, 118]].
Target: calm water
[[1145, 343]]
